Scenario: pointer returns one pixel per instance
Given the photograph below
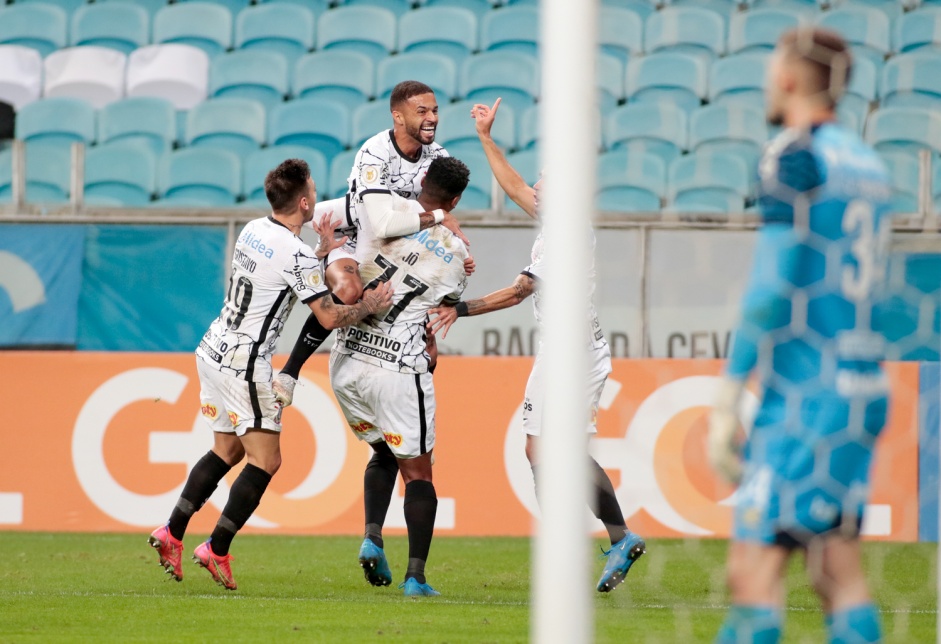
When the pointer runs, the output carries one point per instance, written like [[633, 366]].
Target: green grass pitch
[[107, 587]]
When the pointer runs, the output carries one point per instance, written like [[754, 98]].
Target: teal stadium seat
[[629, 182], [340, 169], [620, 32], [918, 29], [398, 7], [34, 24], [610, 72], [68, 6], [435, 70], [479, 8], [739, 130], [319, 124], [448, 31], [905, 129], [526, 163], [345, 77], [146, 120], [717, 183], [739, 79], [200, 177], [864, 28], [668, 77], [200, 24], [804, 7], [513, 29], [122, 172], [369, 119], [57, 121], [118, 25], [891, 8], [457, 132], [260, 162], [903, 175], [150, 6], [912, 80], [511, 75], [281, 27], [477, 195], [234, 124], [527, 135], [258, 75], [722, 8], [368, 30], [317, 6], [642, 8], [690, 30], [648, 128], [759, 29], [234, 6], [47, 173]]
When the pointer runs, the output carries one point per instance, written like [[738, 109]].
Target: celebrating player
[[626, 546], [391, 163], [380, 374], [807, 327], [271, 269]]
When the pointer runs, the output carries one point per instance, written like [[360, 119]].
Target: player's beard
[[417, 134]]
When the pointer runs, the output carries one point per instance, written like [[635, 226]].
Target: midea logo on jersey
[[433, 245], [256, 244]]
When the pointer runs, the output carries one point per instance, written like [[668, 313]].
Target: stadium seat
[[668, 77], [68, 6], [917, 29], [620, 32], [144, 120], [526, 163], [48, 170], [849, 116], [642, 8], [457, 132], [691, 30], [477, 195], [178, 73], [507, 74], [904, 129], [739, 130], [437, 71], [118, 25], [528, 131], [654, 128], [235, 124], [200, 24], [340, 169], [478, 7], [125, 172], [759, 29], [59, 121], [739, 79], [803, 7], [903, 175], [346, 77], [369, 119], [866, 29], [709, 183], [513, 28], [20, 75], [722, 8], [234, 6], [260, 162], [94, 74], [629, 182], [368, 30], [34, 24], [317, 6], [610, 82], [448, 31], [398, 7], [207, 175], [150, 6], [287, 29], [319, 124], [891, 8], [259, 75], [912, 80]]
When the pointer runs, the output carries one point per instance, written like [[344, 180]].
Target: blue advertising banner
[[929, 426], [40, 279], [150, 288]]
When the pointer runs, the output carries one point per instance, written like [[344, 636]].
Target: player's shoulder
[[378, 147]]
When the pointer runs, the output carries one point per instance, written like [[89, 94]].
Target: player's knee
[[349, 291]]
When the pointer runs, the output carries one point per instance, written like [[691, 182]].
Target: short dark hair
[[406, 90], [825, 54], [286, 184], [446, 179]]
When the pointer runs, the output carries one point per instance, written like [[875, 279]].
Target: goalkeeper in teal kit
[[807, 333]]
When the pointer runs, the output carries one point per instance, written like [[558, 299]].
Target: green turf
[[106, 587]]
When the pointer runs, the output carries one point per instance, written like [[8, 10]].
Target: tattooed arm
[[445, 316], [333, 316]]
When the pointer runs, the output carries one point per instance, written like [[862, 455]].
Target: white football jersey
[[381, 166], [271, 269], [536, 270], [425, 268]]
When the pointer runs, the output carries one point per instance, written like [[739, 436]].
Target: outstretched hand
[[326, 228], [483, 116], [442, 317]]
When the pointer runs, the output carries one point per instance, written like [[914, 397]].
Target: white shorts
[[234, 406], [384, 405], [599, 366]]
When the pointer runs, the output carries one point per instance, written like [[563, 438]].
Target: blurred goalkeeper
[[807, 329]]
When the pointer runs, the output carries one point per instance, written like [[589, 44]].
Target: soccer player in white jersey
[[626, 546], [380, 374], [393, 162], [271, 269]]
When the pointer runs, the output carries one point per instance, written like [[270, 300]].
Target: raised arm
[[509, 179], [333, 316], [445, 316]]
